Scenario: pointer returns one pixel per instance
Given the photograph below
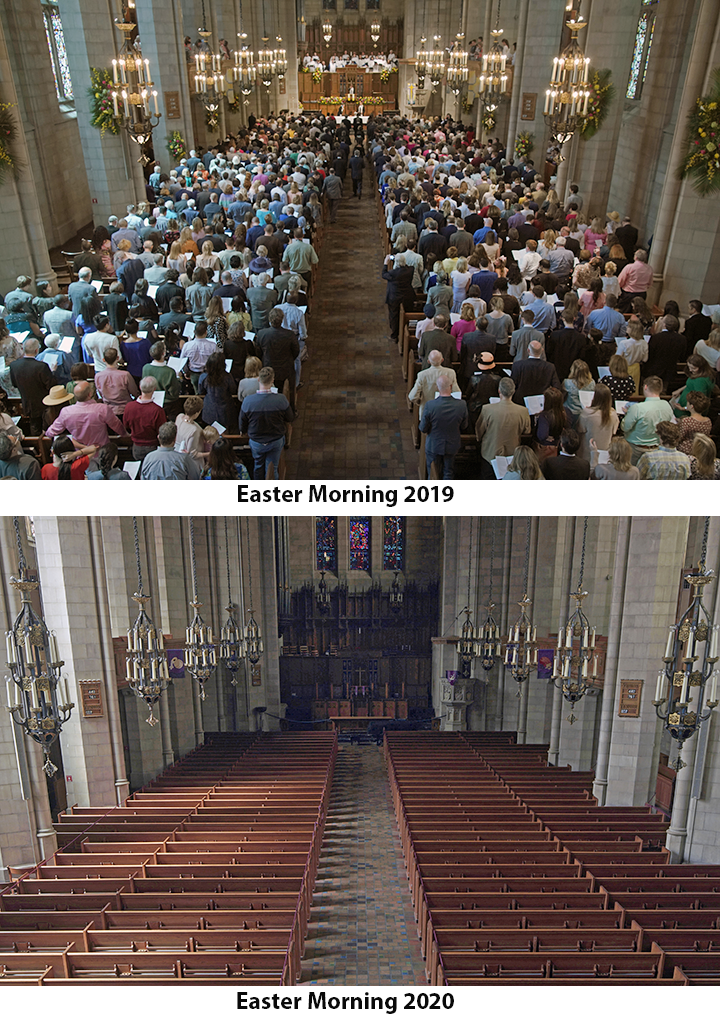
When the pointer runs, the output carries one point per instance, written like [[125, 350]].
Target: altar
[[349, 88]]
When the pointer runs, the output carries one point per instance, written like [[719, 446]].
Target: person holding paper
[[220, 392], [88, 422], [166, 377], [500, 428], [99, 341], [167, 464], [143, 418], [597, 423], [189, 433], [135, 350], [619, 464], [60, 362], [33, 379], [578, 379], [424, 389], [58, 319]]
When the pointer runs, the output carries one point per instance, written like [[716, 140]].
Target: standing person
[[333, 190], [356, 172], [116, 387], [280, 348], [263, 417], [219, 390], [444, 419], [33, 378], [500, 427], [399, 292], [143, 419], [165, 463]]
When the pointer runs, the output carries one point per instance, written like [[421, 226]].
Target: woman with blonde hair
[[499, 323], [635, 349], [123, 254], [595, 235], [610, 284], [187, 242], [547, 244], [198, 230], [208, 258], [620, 383], [177, 260], [578, 379], [250, 382], [491, 246], [460, 278], [597, 424], [464, 325], [710, 349], [451, 260], [620, 466], [704, 463], [524, 465]]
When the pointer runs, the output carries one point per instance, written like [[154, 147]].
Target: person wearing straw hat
[[54, 402], [88, 422]]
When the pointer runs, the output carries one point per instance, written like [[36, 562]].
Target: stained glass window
[[326, 543], [394, 543], [372, 5], [329, 5], [360, 544], [58, 53], [641, 50]]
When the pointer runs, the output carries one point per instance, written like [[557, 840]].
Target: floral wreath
[[702, 159]]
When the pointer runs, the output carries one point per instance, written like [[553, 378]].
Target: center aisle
[[352, 420], [362, 930]]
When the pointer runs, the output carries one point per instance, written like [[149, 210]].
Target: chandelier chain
[[247, 531], [192, 557], [492, 559], [703, 556], [21, 555], [137, 555], [227, 559], [467, 603], [582, 556], [497, 19], [527, 556]]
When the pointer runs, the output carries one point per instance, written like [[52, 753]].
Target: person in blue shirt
[[544, 313], [608, 320]]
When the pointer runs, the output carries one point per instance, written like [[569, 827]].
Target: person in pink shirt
[[87, 421], [116, 387], [634, 279], [465, 324]]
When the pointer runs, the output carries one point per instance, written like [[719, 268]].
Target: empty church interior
[[360, 751]]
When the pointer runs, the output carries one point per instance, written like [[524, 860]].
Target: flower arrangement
[[234, 104], [101, 105], [524, 145], [702, 158], [466, 105], [317, 74], [602, 93], [176, 145], [488, 122], [368, 101], [8, 134], [212, 120]]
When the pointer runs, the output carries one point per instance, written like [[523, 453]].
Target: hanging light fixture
[[146, 661], [252, 636], [244, 71], [489, 642], [232, 647], [566, 101], [323, 595], [467, 644], [457, 72], [327, 30], [690, 662], [34, 665], [134, 90], [521, 644], [200, 651], [375, 32], [279, 55], [266, 66], [493, 87], [210, 83], [421, 57], [396, 594], [572, 671], [436, 63]]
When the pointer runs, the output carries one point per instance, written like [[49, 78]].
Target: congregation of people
[[507, 271], [200, 294]]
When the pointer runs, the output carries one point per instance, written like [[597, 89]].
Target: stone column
[[611, 658], [516, 97], [525, 689], [558, 699], [160, 27], [21, 216], [114, 174], [656, 554]]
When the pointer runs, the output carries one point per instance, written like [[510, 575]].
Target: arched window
[[326, 544], [58, 54], [360, 544], [394, 543], [641, 51]]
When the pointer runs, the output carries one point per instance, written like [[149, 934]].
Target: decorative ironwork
[[34, 664], [489, 642], [493, 84], [693, 666], [134, 89], [252, 636], [232, 646], [521, 644], [200, 650], [467, 645], [572, 669], [567, 99]]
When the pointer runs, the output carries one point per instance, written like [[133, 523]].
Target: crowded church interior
[[360, 751], [359, 239]]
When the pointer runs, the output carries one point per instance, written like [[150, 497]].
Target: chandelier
[[252, 636], [200, 650], [489, 643], [467, 643], [232, 647], [323, 595], [211, 86], [436, 63], [134, 88], [566, 101], [375, 32], [690, 659], [494, 79], [521, 644], [244, 71], [146, 665], [571, 671], [457, 72], [396, 593], [34, 665], [422, 63], [327, 31]]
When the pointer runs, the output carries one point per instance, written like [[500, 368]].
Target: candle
[[147, 72], [140, 77], [28, 650], [585, 104], [713, 687], [586, 637], [155, 102], [569, 637], [126, 108], [670, 643], [683, 691], [10, 650], [115, 73], [123, 76], [8, 683], [145, 102], [153, 670], [574, 104], [197, 62], [660, 686], [566, 669], [595, 665]]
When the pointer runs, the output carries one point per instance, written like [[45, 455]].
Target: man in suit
[[437, 337], [521, 338], [399, 291], [534, 375], [33, 379], [500, 428], [697, 326], [431, 241], [627, 236], [567, 465], [567, 345], [665, 351], [425, 387], [443, 421], [280, 348], [472, 345]]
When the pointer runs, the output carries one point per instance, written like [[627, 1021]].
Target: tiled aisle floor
[[362, 929], [352, 420]]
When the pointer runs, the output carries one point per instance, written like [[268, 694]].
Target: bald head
[[444, 386], [535, 350], [435, 358], [82, 391]]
